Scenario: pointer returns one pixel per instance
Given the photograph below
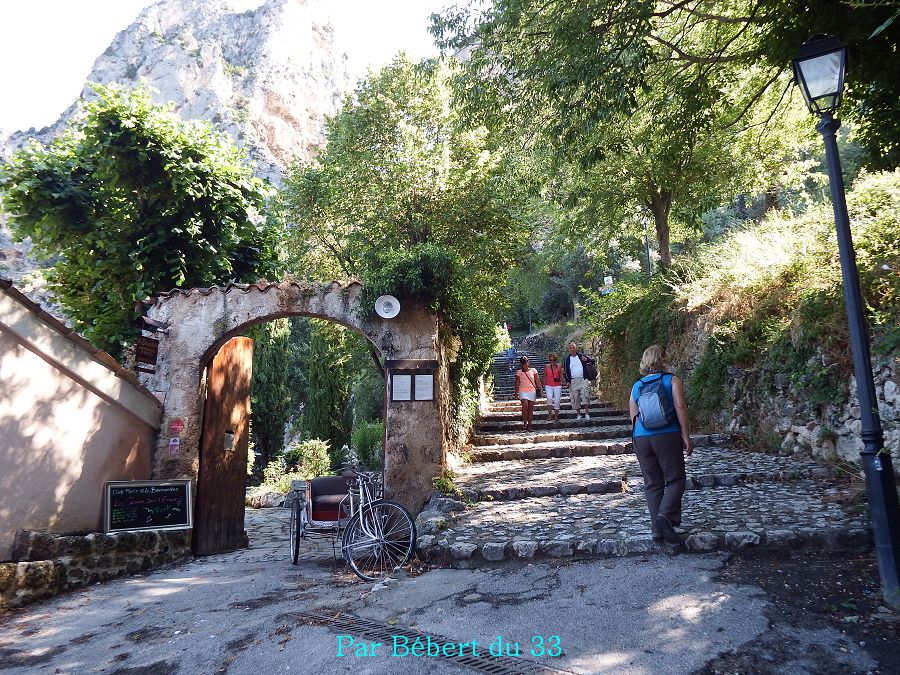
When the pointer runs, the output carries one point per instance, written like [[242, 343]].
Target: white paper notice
[[401, 389], [424, 387]]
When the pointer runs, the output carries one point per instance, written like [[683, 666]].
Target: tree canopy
[[130, 201], [569, 66], [667, 105], [407, 199]]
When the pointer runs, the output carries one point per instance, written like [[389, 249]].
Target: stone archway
[[201, 320]]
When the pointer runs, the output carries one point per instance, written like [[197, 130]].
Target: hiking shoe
[[586, 416], [577, 417], [666, 529]]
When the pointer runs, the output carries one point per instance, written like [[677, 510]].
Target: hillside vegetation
[[765, 297]]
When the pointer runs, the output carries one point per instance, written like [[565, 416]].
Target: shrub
[[366, 442], [768, 298], [277, 478], [308, 458]]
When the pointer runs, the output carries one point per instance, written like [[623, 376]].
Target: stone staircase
[[504, 378], [576, 490]]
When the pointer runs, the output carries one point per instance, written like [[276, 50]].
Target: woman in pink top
[[528, 384], [553, 374]]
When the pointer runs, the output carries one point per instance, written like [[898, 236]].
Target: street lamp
[[819, 72]]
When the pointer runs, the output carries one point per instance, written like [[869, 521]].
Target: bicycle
[[377, 535]]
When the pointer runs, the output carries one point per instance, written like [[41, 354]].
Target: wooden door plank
[[221, 481]]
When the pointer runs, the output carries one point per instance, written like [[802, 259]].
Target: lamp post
[[819, 71]]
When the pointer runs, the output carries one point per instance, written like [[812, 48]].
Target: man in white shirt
[[578, 385]]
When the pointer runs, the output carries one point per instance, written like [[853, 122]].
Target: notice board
[[147, 505]]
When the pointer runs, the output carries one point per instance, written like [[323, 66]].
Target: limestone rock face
[[267, 77]]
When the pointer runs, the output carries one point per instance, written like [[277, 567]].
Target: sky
[[47, 47]]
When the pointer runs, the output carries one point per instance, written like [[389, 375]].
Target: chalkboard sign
[[147, 505]]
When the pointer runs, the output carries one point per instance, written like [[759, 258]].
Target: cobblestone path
[[575, 489]]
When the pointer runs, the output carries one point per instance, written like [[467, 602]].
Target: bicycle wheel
[[379, 538], [298, 524]]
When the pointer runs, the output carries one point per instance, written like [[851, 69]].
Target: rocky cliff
[[268, 77]]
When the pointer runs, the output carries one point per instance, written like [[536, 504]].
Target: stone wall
[[46, 564], [769, 411], [781, 418]]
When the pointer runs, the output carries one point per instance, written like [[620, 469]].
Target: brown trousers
[[662, 464]]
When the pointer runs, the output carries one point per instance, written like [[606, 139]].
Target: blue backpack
[[654, 408]]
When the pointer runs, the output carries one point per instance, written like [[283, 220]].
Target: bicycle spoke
[[362, 545], [379, 538]]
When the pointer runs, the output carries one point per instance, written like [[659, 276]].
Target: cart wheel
[[298, 524], [379, 538]]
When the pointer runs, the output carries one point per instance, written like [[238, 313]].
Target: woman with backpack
[[528, 384], [662, 440]]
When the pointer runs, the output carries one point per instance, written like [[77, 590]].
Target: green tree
[[399, 171], [406, 198], [669, 105], [272, 398], [131, 200], [327, 415]]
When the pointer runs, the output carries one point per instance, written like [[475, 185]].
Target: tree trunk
[[660, 204], [741, 207], [772, 199]]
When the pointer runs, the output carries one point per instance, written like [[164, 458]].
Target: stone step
[[538, 362], [778, 515], [564, 404], [546, 433], [507, 381], [516, 426], [565, 399], [514, 408], [709, 466], [496, 453], [501, 404]]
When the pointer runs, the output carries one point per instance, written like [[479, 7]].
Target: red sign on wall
[[176, 426]]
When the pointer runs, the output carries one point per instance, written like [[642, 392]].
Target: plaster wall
[[68, 423]]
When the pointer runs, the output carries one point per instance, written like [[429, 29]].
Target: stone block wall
[[47, 564], [826, 431]]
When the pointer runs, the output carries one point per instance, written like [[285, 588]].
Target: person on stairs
[[553, 386], [511, 358], [528, 384], [662, 439], [578, 384]]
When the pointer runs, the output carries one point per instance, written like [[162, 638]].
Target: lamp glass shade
[[819, 70], [387, 306]]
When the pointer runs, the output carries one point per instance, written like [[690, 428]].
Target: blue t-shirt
[[639, 429]]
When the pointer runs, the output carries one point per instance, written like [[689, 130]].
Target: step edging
[[439, 550]]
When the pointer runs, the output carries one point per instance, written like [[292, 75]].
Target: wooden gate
[[221, 481]]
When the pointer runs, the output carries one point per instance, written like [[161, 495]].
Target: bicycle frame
[[366, 499]]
